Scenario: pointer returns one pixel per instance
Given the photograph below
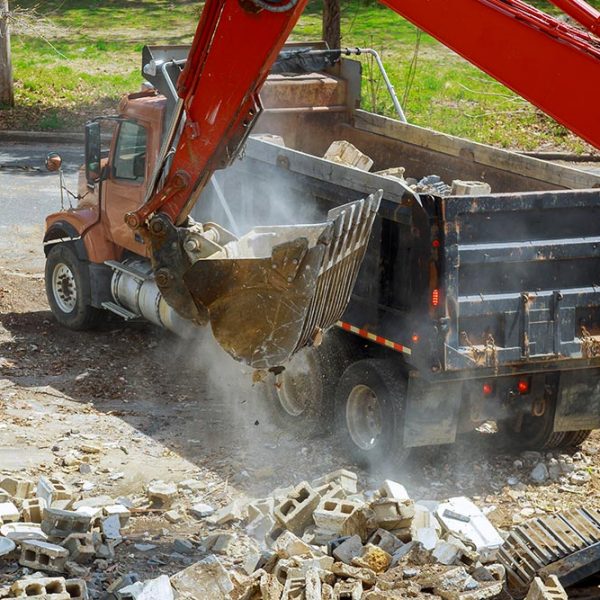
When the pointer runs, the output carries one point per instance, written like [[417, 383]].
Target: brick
[[9, 513], [385, 540], [295, 512], [550, 589], [393, 514], [348, 549], [338, 516], [81, 547], [40, 588], [51, 489], [17, 487], [62, 523], [43, 556], [33, 510]]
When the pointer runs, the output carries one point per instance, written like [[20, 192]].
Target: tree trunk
[[331, 23], [6, 78]]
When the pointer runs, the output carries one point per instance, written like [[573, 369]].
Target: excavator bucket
[[277, 289]]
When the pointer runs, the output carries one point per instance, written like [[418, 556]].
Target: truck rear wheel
[[576, 438], [68, 289], [534, 433], [301, 396], [369, 412]]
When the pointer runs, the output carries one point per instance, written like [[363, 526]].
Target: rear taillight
[[435, 297], [487, 389], [523, 386]]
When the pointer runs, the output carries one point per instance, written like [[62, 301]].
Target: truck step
[[534, 545], [119, 310], [117, 266]]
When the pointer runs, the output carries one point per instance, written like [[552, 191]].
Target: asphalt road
[[27, 191]]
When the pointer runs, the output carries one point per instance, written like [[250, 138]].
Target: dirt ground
[[160, 408]]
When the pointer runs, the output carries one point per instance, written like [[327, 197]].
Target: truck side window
[[130, 153]]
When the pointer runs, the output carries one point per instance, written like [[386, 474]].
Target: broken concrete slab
[[204, 579]]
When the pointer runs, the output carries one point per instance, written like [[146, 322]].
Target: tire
[[301, 397], [576, 438], [535, 433], [369, 412], [68, 289]]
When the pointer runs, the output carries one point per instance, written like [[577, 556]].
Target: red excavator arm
[[264, 308]]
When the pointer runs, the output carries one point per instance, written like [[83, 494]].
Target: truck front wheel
[[369, 412], [68, 289]]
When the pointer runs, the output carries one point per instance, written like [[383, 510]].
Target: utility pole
[[331, 23], [7, 97]]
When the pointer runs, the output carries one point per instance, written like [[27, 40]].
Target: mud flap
[[578, 402], [277, 289]]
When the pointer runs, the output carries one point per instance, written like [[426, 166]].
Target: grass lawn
[[85, 54]]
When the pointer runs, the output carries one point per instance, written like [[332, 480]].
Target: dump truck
[[469, 306]]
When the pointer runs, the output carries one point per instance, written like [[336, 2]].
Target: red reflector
[[523, 386], [415, 338], [435, 243], [487, 389], [435, 297]]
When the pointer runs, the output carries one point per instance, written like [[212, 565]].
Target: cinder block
[[386, 541], [17, 487], [294, 588], [81, 547], [313, 585], [40, 588], [470, 188], [260, 508], [295, 512], [43, 556], [349, 549], [348, 590], [393, 514], [62, 523], [121, 511], [550, 589], [336, 516], [366, 575], [288, 545], [346, 479], [345, 153], [33, 510], [51, 489], [77, 589], [394, 490], [9, 513]]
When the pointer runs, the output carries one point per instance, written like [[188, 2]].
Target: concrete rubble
[[325, 538]]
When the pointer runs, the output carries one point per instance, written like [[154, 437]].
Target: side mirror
[[53, 161], [92, 152]]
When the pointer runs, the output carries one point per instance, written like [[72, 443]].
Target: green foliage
[[94, 56]]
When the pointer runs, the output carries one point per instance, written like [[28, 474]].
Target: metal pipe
[[386, 79]]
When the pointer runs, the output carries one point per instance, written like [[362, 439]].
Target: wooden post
[[331, 23], [6, 78]]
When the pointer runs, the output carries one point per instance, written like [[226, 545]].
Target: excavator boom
[[273, 291]]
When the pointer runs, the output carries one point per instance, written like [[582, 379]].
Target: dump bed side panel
[[522, 277]]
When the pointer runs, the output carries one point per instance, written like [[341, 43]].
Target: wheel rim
[[364, 417], [295, 386], [64, 288]]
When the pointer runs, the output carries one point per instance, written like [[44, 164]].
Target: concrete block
[[331, 490], [43, 556], [349, 549], [385, 540], [40, 588], [447, 553], [260, 527], [470, 188], [402, 552], [51, 489], [76, 570], [111, 527], [348, 590], [394, 490], [374, 558], [204, 579], [235, 511], [6, 546], [62, 523], [18, 532], [33, 510], [152, 589], [427, 536], [121, 511], [259, 508], [364, 574], [17, 487], [295, 512], [346, 479], [550, 589], [98, 502], [288, 545], [393, 514], [345, 153], [326, 592], [293, 589], [9, 513], [162, 494], [77, 589], [81, 547], [270, 587], [337, 516], [313, 586]]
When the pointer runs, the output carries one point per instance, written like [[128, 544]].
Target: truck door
[[125, 185]]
